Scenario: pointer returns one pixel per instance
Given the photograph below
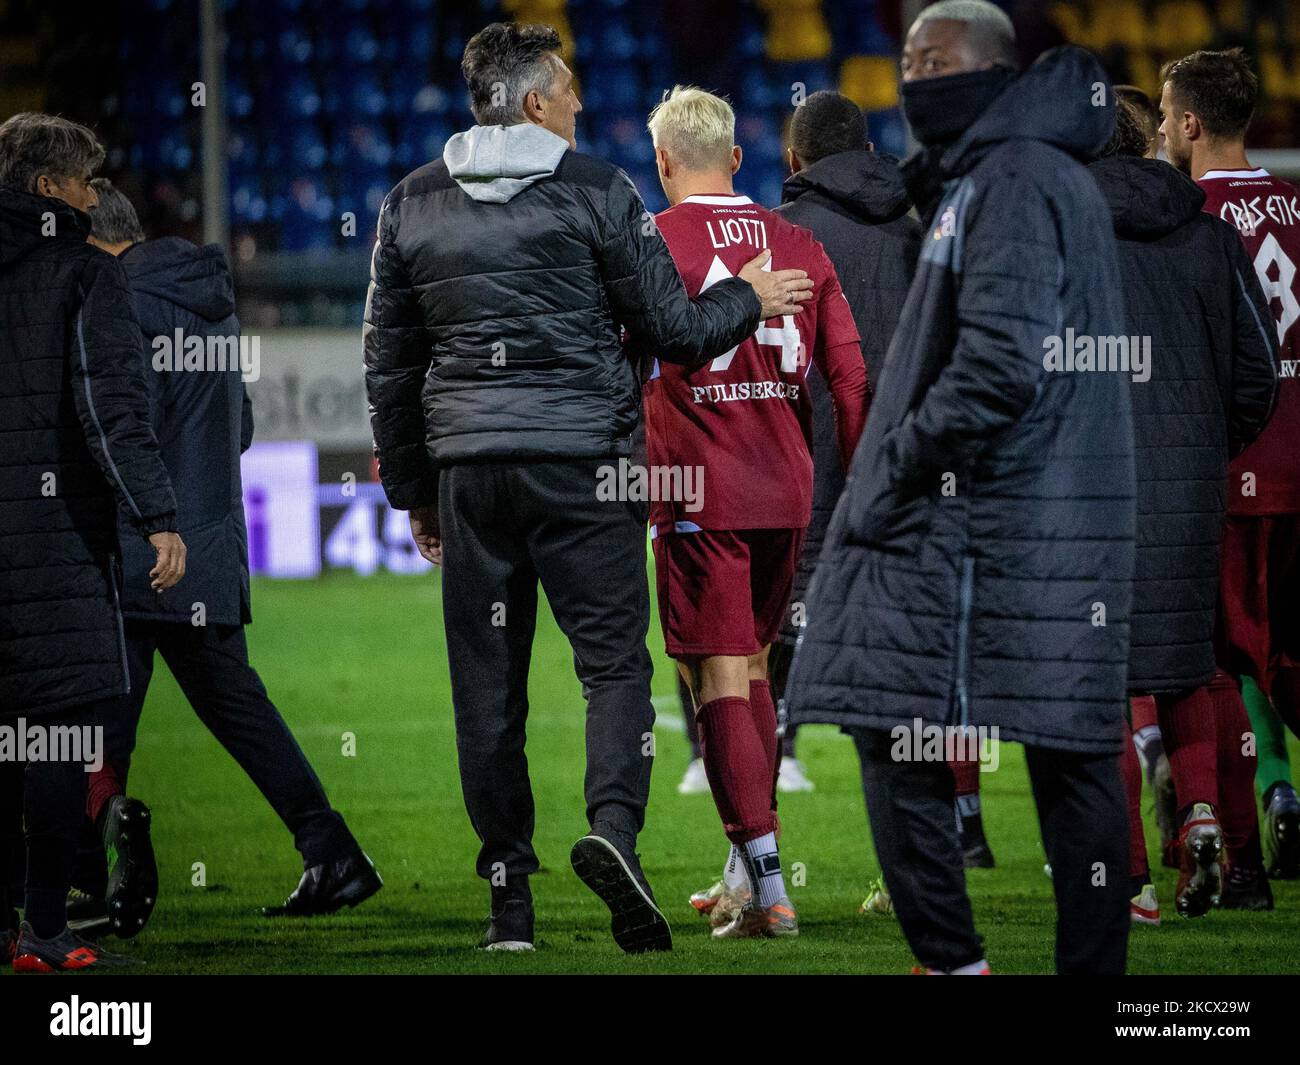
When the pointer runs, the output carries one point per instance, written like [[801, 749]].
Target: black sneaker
[[510, 927], [1282, 833], [1246, 889], [329, 886], [975, 850], [614, 873], [976, 854], [132, 871]]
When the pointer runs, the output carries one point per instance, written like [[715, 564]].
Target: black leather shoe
[[324, 888]]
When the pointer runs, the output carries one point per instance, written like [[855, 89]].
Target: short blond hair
[[695, 127]]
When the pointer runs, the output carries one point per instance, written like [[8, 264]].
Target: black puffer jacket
[[203, 422], [74, 438], [500, 278], [1189, 287], [856, 205], [978, 568]]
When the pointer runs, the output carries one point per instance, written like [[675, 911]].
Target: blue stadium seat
[[293, 46], [364, 97], [363, 193], [421, 139], [887, 131], [239, 101], [293, 97], [307, 147], [615, 90], [248, 204], [307, 217]]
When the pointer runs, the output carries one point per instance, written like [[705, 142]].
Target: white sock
[[734, 874], [975, 968], [764, 865]]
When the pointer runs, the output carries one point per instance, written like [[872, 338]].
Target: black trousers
[[41, 807], [210, 663], [1083, 820], [505, 527]]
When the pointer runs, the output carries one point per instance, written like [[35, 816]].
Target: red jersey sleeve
[[837, 353]]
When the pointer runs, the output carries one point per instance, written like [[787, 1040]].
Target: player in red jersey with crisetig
[[1207, 102], [725, 557]]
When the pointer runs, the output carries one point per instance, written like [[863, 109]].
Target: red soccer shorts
[[1259, 596], [724, 591]]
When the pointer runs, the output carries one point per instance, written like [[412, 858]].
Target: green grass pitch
[[367, 656]]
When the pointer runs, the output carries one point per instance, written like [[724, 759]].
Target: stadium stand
[[329, 104]]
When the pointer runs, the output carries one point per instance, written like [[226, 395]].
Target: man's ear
[[46, 185], [1192, 128], [535, 107], [737, 157], [794, 162], [661, 160]]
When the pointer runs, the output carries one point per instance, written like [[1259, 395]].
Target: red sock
[[760, 702], [1191, 741], [735, 759], [965, 776], [103, 785], [1142, 712], [1131, 770], [1237, 813]]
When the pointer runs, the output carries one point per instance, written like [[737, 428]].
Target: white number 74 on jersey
[[786, 338]]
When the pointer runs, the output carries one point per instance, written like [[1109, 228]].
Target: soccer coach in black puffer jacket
[[978, 568], [501, 404], [75, 447]]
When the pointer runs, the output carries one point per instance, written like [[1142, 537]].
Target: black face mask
[[940, 110]]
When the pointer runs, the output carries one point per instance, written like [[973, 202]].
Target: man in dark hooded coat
[[978, 568], [1207, 390]]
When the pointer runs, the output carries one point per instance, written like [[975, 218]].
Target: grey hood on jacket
[[494, 164]]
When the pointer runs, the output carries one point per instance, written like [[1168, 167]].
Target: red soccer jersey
[[743, 419], [1266, 212]]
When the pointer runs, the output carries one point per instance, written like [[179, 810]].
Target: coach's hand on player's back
[[170, 567], [780, 290], [426, 533]]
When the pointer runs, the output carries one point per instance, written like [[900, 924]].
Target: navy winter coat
[[203, 422], [978, 568], [1189, 287]]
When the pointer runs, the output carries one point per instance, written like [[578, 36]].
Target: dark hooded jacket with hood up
[[1190, 289], [203, 422], [855, 203], [978, 568]]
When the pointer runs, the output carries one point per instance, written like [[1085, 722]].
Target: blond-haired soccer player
[[725, 558]]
